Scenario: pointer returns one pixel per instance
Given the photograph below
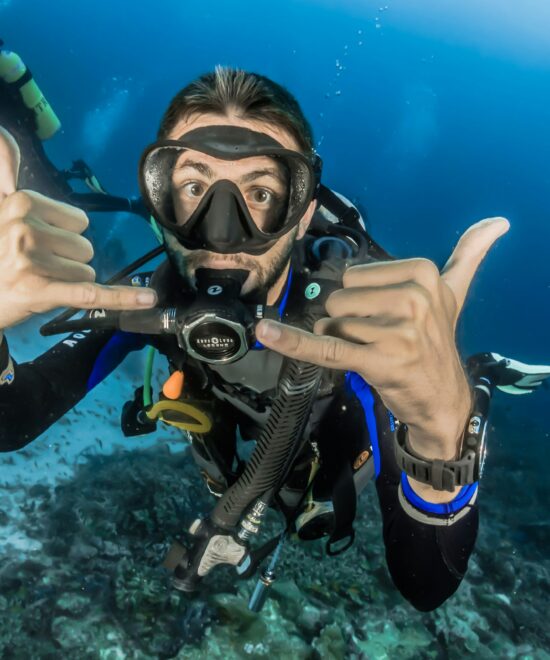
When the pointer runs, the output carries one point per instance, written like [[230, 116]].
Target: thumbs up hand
[[43, 257], [394, 324]]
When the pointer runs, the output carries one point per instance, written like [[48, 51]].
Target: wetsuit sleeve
[[35, 394], [427, 545]]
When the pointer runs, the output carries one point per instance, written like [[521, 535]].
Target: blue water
[[430, 115], [425, 125]]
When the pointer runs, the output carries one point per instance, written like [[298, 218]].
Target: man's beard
[[267, 268]]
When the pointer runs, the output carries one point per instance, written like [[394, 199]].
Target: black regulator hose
[[270, 460], [216, 538]]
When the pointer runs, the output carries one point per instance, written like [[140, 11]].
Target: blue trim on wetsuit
[[112, 354], [282, 305], [459, 502], [363, 392]]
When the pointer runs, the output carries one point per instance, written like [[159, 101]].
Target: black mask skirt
[[215, 215]]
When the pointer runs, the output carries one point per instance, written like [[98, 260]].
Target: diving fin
[[508, 375], [525, 377]]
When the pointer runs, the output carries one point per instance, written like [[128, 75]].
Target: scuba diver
[[282, 322]]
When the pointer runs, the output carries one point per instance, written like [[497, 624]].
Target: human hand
[[43, 257], [394, 323]]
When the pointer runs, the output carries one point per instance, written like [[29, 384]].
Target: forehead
[[210, 119]]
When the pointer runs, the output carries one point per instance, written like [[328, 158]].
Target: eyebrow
[[201, 167], [256, 174], [207, 171]]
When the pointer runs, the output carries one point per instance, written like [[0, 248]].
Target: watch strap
[[441, 475]]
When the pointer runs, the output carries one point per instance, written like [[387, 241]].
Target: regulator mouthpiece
[[218, 327]]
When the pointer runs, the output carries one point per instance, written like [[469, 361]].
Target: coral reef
[[90, 583]]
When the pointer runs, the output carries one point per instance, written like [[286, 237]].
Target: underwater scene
[[325, 432]]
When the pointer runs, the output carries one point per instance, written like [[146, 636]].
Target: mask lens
[[157, 170], [263, 183]]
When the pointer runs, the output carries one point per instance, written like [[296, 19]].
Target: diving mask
[[225, 215]]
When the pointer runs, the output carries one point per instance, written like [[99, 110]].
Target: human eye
[[192, 189], [262, 196]]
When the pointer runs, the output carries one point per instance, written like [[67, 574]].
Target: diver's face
[[261, 183], [261, 180]]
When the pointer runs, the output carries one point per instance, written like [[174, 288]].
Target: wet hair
[[250, 95]]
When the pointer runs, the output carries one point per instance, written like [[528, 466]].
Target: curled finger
[[54, 267], [353, 329], [29, 203], [63, 243], [386, 273], [397, 301]]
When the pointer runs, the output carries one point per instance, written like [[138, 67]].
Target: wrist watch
[[447, 475]]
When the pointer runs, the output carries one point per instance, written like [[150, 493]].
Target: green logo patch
[[312, 291]]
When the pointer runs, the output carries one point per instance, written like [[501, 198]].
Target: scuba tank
[[26, 114], [14, 72]]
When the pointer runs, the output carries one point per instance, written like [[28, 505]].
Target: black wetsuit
[[427, 545]]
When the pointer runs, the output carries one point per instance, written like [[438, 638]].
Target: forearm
[[427, 545], [427, 560], [33, 395]]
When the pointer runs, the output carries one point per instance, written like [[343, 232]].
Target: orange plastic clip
[[173, 387]]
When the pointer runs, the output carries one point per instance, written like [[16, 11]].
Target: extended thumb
[[472, 247]]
